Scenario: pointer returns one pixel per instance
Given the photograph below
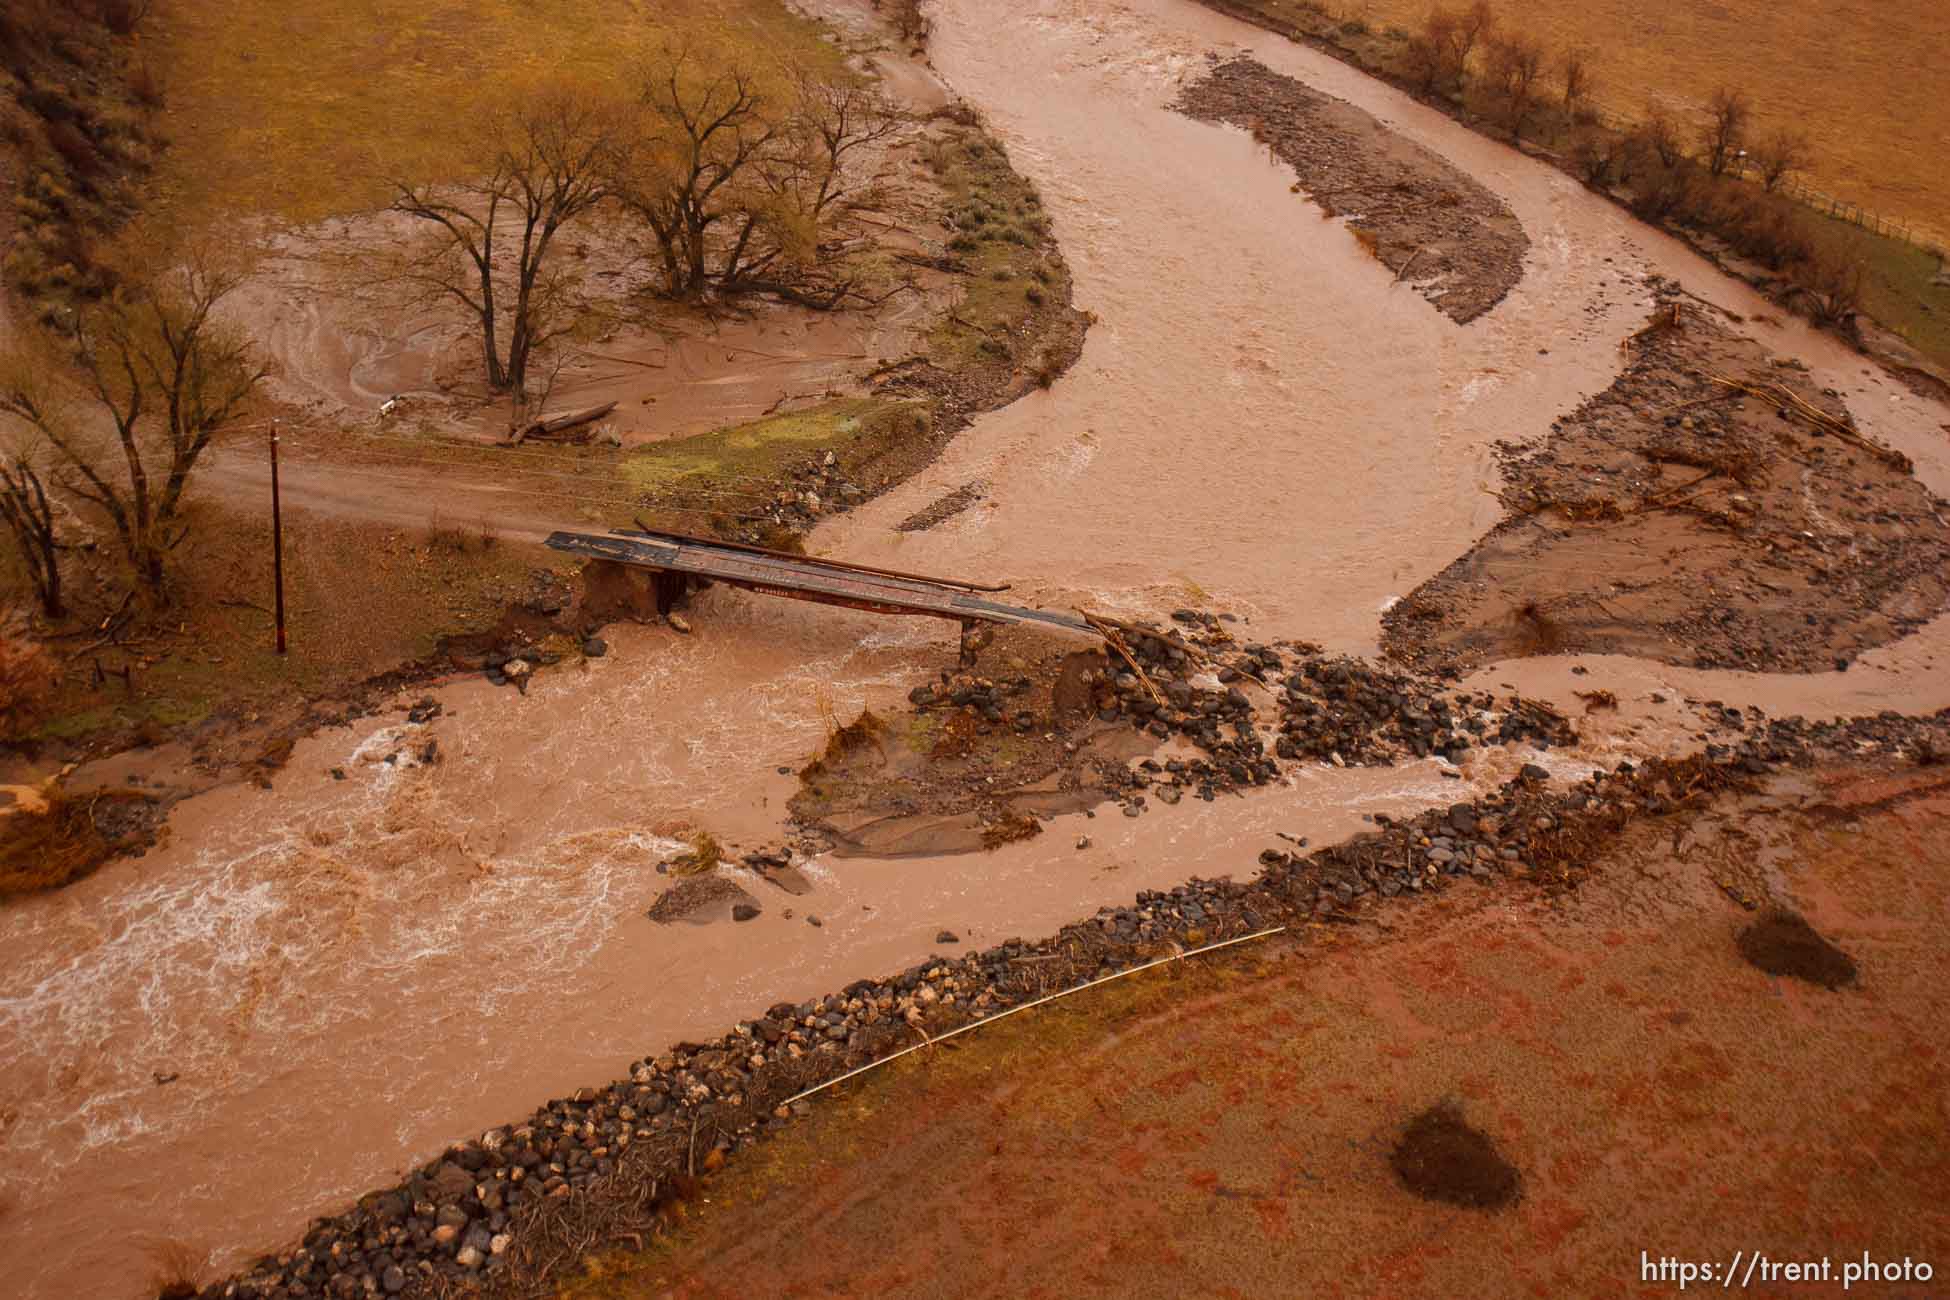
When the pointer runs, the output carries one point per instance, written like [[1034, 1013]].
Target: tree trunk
[[695, 275], [149, 568], [496, 377]]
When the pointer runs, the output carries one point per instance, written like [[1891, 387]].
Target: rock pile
[[996, 702], [1349, 713], [1183, 689], [818, 487]]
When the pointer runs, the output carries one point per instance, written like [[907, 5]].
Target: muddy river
[[340, 976]]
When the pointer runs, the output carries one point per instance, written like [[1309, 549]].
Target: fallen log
[[552, 428]]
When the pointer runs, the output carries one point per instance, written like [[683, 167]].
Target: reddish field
[[1227, 1130]]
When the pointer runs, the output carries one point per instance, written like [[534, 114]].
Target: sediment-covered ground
[[1419, 215], [1713, 507]]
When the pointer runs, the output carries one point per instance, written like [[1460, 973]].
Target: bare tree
[[1516, 65], [1832, 284], [1431, 50], [546, 159], [741, 178], [1574, 69], [1600, 156], [1781, 152], [1472, 28], [1726, 129], [166, 374], [692, 167], [805, 183], [909, 22], [30, 518], [1661, 135]]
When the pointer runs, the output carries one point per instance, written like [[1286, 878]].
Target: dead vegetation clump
[[71, 837], [1537, 630], [1010, 828], [863, 733], [176, 1268], [1441, 1157], [1783, 943], [27, 674], [705, 854]]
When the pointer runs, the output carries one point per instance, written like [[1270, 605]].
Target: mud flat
[[1422, 217]]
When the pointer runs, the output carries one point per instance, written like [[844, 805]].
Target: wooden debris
[[1788, 402], [555, 427]]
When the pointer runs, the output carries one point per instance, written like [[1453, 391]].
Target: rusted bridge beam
[[802, 577]]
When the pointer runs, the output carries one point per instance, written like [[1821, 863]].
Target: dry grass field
[[301, 109], [1863, 80]]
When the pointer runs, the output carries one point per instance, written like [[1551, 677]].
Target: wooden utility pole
[[277, 537]]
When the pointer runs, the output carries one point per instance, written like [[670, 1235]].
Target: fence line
[[1820, 201]]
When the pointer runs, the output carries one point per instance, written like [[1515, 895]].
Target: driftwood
[[552, 429], [1787, 402], [1116, 642]]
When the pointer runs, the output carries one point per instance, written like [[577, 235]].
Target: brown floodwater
[[344, 975]]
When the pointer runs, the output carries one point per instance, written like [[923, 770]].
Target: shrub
[[26, 672], [1660, 135], [1665, 193], [1596, 155], [1830, 285], [145, 85], [76, 150]]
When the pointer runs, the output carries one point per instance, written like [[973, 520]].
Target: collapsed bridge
[[679, 559]]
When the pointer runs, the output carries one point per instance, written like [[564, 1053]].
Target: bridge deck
[[801, 577]]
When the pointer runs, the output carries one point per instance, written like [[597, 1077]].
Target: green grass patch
[[737, 470], [1000, 233], [1897, 288]]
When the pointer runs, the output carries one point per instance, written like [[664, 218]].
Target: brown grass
[[72, 838], [1858, 80], [1009, 828], [361, 600], [176, 1268], [303, 108], [1537, 632]]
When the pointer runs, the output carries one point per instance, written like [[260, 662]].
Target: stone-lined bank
[[503, 1213]]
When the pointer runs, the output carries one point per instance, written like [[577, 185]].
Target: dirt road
[[406, 497]]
